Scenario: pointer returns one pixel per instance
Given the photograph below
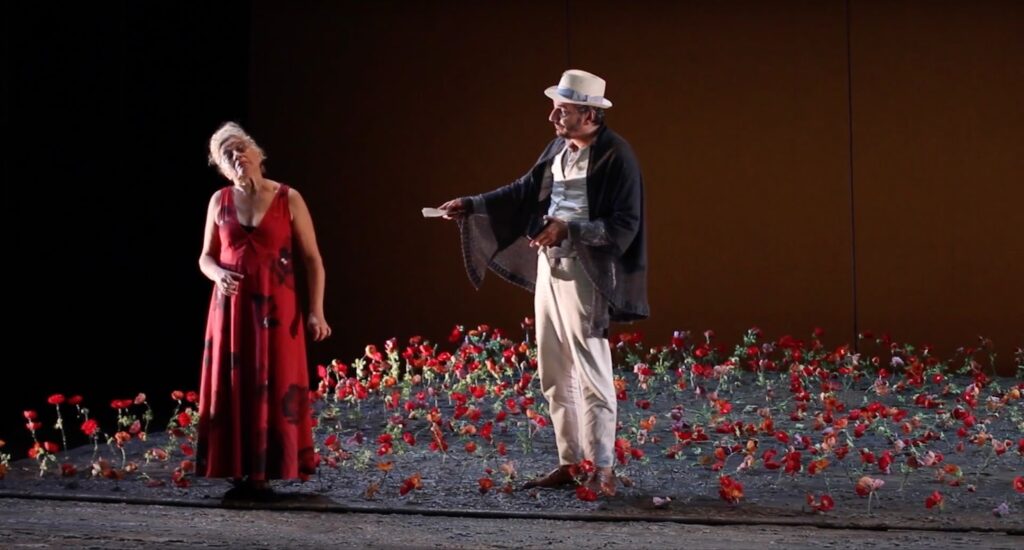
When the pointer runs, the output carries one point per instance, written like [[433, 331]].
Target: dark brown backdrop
[[849, 166]]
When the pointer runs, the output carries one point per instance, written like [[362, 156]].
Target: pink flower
[[867, 485]]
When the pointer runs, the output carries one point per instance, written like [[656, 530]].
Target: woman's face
[[239, 159]]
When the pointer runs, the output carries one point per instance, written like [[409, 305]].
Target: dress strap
[[226, 200], [282, 195]]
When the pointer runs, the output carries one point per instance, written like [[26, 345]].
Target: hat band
[[573, 95]]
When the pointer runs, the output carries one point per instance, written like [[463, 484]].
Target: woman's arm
[[227, 281], [305, 236]]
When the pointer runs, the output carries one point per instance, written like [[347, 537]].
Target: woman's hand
[[228, 282], [318, 327]]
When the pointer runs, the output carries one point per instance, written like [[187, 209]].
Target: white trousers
[[575, 368]]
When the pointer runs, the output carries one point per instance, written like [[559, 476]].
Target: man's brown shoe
[[603, 482], [558, 477]]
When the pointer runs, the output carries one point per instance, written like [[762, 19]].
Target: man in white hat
[[571, 230]]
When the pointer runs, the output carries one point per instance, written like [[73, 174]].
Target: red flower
[[55, 399], [730, 490], [587, 466], [191, 397], [51, 447], [792, 462], [485, 484], [824, 505], [471, 447], [409, 439], [177, 395], [68, 469], [884, 462], [184, 419], [678, 339], [392, 401], [486, 431], [438, 444], [89, 427], [30, 415], [585, 493], [373, 354], [410, 483], [74, 400], [455, 335], [933, 500], [180, 478], [1018, 484], [478, 391]]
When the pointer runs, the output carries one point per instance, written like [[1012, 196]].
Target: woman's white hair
[[227, 131]]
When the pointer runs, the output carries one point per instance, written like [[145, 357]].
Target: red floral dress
[[254, 411]]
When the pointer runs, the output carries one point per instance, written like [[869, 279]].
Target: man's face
[[568, 120]]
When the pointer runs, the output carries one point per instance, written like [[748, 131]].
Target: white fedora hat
[[580, 88]]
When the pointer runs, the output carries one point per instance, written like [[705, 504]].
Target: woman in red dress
[[255, 422]]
